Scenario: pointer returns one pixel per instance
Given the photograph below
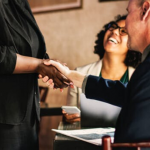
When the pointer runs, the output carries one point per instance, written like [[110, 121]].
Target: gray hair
[[140, 2]]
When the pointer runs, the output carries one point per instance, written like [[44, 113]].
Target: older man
[[133, 123], [134, 120]]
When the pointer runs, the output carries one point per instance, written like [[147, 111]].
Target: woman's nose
[[116, 31]]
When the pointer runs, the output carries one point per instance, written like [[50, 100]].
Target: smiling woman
[[38, 6]]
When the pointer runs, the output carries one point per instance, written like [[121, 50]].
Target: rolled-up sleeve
[[7, 59]]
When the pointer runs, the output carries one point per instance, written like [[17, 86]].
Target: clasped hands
[[52, 76], [66, 77]]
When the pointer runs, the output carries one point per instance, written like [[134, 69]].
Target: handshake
[[58, 75]]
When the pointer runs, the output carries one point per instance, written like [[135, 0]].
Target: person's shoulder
[[92, 68]]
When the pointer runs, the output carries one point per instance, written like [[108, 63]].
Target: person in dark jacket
[[22, 50]]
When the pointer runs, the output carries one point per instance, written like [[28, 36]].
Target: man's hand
[[59, 80], [75, 76]]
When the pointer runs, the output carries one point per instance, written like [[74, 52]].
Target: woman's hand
[[60, 66], [58, 80], [70, 118], [75, 76], [50, 81], [25, 64]]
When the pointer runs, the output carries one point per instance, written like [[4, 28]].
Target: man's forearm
[[77, 78]]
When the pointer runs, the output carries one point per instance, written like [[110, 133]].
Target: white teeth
[[113, 40]]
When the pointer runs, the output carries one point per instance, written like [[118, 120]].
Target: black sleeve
[[109, 91], [7, 51], [7, 59], [46, 56]]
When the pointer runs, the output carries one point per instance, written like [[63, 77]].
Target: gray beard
[[128, 45]]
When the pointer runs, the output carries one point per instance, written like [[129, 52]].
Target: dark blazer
[[17, 90], [133, 124]]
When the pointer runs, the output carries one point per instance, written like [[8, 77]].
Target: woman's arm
[[112, 92], [76, 77], [26, 64]]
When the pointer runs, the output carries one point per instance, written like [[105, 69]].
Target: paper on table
[[93, 136]]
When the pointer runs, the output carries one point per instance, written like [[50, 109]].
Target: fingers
[[50, 83], [51, 72], [61, 90], [40, 76], [72, 116], [71, 85], [73, 120], [63, 81], [60, 81], [63, 111], [64, 64], [45, 79], [63, 69], [47, 62], [50, 62]]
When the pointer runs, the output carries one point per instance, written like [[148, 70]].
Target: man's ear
[[145, 10]]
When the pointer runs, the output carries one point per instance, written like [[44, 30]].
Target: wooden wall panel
[[39, 6]]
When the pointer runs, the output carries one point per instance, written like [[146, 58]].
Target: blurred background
[[70, 28]]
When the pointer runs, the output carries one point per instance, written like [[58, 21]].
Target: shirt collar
[[145, 53]]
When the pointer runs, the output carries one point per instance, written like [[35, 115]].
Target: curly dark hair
[[133, 58]]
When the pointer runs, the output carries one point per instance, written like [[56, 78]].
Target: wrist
[[39, 63]]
